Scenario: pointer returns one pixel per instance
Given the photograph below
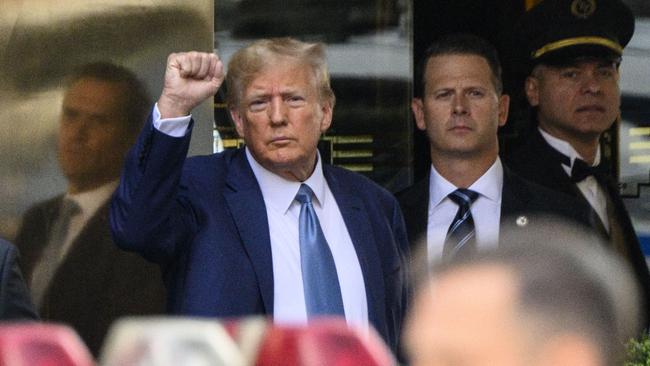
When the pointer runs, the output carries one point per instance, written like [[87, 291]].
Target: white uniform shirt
[[589, 187]]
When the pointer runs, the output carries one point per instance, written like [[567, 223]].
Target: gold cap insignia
[[583, 8]]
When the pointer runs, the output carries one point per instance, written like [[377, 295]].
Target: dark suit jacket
[[97, 282], [15, 301], [204, 220], [518, 198], [537, 161]]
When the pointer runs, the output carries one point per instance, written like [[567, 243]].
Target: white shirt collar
[[280, 192], [566, 149], [489, 185], [90, 201]]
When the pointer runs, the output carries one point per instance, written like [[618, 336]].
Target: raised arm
[[150, 212], [190, 78]]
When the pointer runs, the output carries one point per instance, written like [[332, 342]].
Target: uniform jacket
[[537, 161]]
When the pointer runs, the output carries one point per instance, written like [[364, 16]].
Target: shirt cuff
[[174, 127]]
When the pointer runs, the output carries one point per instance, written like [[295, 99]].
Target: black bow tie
[[580, 170]]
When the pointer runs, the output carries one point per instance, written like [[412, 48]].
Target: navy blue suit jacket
[[204, 221]]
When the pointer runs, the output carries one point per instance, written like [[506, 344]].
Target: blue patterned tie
[[461, 239], [320, 281]]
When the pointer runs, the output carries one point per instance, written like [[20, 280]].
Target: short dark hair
[[137, 99], [459, 44]]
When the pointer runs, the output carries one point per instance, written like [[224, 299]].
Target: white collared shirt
[[89, 202], [589, 187], [486, 210], [174, 127], [282, 212]]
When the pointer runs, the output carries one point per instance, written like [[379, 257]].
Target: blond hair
[[248, 62]]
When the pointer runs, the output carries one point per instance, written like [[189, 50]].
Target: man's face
[[281, 118], [467, 317], [92, 140], [577, 102], [461, 109]]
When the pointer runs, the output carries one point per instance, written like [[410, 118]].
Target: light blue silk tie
[[320, 281]]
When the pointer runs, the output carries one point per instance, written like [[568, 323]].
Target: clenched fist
[[190, 78]]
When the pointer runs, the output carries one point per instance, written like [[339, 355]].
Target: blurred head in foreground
[[528, 302]]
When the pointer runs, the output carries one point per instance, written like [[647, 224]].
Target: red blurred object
[[325, 342], [39, 344]]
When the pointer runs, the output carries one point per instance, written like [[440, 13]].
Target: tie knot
[[463, 197], [581, 170], [69, 208], [304, 194]]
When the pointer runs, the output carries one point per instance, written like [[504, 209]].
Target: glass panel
[[369, 55], [42, 41]]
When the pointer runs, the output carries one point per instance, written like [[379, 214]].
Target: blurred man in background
[[527, 302]]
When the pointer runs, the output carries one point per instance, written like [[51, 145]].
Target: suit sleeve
[[149, 213], [15, 300], [401, 237]]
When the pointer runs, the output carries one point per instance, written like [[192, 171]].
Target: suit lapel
[[35, 235], [358, 224], [549, 167], [514, 200], [246, 204], [617, 211], [415, 207], [555, 177]]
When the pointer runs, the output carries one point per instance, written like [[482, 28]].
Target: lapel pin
[[522, 221]]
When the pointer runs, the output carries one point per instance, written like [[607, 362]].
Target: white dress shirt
[[89, 202], [282, 212], [46, 267], [589, 187], [486, 210]]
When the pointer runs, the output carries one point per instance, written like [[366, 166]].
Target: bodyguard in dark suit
[[15, 302], [575, 52], [75, 272], [469, 195], [234, 232]]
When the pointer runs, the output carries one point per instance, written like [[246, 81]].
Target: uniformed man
[[575, 49]]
